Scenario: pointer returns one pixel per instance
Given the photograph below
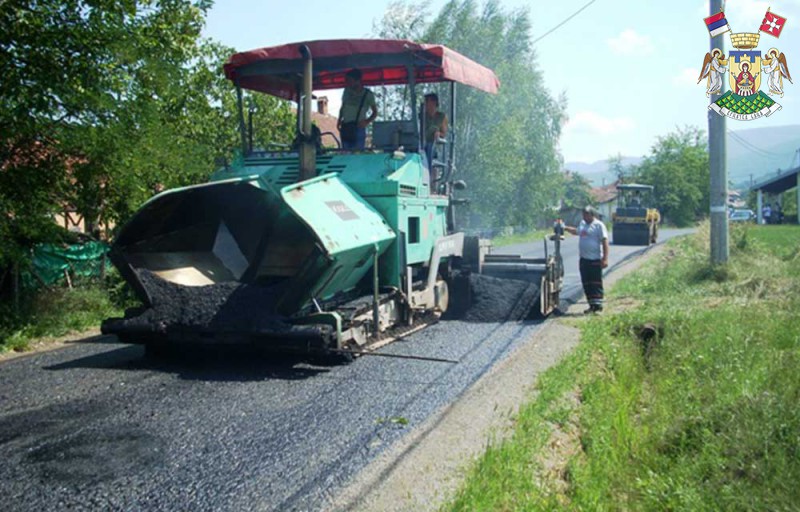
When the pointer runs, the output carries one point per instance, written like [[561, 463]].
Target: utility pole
[[717, 164]]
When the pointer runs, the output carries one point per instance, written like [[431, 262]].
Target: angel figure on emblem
[[713, 68], [775, 66]]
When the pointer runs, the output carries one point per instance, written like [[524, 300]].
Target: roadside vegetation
[[519, 238], [677, 167], [54, 314], [683, 397], [60, 311]]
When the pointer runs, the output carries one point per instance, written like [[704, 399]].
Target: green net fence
[[65, 264]]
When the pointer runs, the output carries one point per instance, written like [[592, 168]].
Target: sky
[[628, 68]]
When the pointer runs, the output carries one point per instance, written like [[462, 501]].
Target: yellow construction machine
[[634, 221]]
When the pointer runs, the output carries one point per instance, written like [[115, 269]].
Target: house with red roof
[[326, 122], [605, 199]]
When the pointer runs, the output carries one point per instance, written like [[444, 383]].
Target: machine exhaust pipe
[[308, 149]]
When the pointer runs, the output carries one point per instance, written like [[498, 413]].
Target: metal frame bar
[[242, 128], [452, 161], [412, 86]]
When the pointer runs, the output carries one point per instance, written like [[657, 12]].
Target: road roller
[[635, 221]]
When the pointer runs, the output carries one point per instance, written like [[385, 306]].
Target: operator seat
[[390, 135]]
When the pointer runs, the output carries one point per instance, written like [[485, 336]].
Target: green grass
[[57, 313], [782, 240], [50, 313], [707, 417]]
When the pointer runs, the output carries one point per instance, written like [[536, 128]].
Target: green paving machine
[[316, 249]]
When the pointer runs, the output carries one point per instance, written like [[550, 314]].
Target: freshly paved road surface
[[97, 426]]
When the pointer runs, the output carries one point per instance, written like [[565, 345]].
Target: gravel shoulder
[[426, 468]]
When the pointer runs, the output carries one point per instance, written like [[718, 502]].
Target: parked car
[[742, 216]]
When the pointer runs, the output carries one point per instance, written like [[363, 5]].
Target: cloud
[[628, 42], [687, 76], [589, 121]]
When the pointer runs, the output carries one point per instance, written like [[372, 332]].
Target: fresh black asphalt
[[97, 426]]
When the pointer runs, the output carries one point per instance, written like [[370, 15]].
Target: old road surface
[[97, 426]]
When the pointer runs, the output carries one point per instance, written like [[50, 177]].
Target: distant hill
[[757, 151], [597, 172], [761, 152]]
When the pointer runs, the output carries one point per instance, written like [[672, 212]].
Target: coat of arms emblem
[[746, 67]]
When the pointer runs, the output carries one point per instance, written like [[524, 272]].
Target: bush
[[54, 312]]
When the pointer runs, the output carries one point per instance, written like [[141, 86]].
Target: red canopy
[[277, 70]]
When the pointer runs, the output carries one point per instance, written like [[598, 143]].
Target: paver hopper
[[315, 239]]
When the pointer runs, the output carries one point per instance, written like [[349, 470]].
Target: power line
[[758, 152], [746, 145], [752, 147], [750, 144], [562, 23]]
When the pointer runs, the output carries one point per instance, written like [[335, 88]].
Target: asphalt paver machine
[[635, 222], [314, 249]]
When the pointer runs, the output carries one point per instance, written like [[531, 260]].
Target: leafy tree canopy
[[507, 144], [678, 169], [103, 103], [577, 191]]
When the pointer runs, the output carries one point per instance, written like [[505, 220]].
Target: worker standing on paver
[[353, 118], [593, 251]]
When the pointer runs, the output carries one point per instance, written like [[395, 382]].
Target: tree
[[678, 169], [507, 144], [620, 170], [103, 103], [179, 135], [401, 20], [73, 74], [577, 190]]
